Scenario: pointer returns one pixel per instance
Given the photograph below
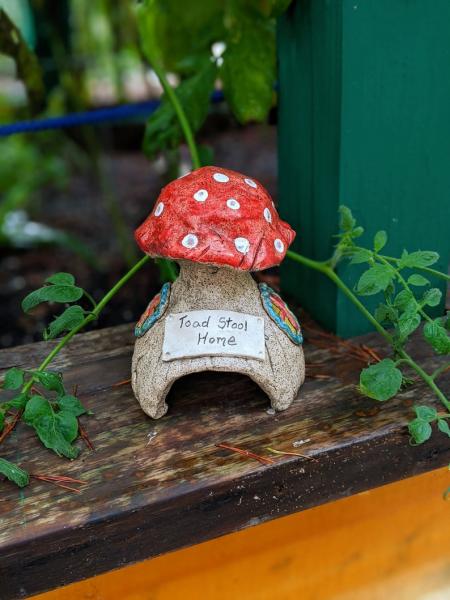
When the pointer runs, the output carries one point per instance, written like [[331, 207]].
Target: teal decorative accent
[[280, 313], [154, 311]]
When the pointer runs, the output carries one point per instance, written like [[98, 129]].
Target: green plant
[[396, 318], [183, 42]]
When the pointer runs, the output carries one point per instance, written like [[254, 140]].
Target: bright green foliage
[[420, 430], [52, 293], [14, 473], [181, 41], [381, 381], [403, 312], [70, 318], [249, 63], [163, 129], [13, 379], [56, 430]]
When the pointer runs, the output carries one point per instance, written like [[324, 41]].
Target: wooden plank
[[363, 121], [385, 543], [148, 496]]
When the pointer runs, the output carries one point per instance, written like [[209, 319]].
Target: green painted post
[[364, 120]]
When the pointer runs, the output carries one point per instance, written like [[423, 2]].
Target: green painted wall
[[364, 120]]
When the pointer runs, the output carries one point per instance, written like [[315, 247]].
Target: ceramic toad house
[[219, 226]]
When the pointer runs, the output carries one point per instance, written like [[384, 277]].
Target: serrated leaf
[[420, 430], [380, 240], [418, 259], [61, 278], [444, 427], [432, 297], [67, 424], [52, 293], [13, 379], [374, 280], [426, 413], [37, 407], [70, 318], [361, 256], [71, 404], [385, 313], [407, 323], [52, 435], [405, 301], [381, 381], [248, 70], [14, 473], [51, 381], [163, 130], [16, 402], [437, 336], [417, 280]]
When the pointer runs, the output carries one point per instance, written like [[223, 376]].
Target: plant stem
[[92, 316], [184, 123], [325, 268]]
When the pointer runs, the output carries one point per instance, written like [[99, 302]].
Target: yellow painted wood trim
[[389, 543]]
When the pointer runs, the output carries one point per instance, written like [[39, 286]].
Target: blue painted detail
[[154, 311], [280, 313]]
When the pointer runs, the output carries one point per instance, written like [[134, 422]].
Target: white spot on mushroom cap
[[200, 195], [268, 215], [250, 182], [233, 204], [221, 177], [159, 209], [190, 241], [278, 245], [242, 245]]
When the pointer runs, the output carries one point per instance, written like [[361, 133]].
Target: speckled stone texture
[[207, 287]]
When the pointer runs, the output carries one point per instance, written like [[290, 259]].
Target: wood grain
[[148, 496]]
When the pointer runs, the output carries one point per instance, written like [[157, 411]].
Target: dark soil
[[80, 211]]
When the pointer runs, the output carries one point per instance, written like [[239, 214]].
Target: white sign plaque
[[213, 333]]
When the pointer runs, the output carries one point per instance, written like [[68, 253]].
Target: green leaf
[[437, 336], [70, 318], [67, 424], [407, 323], [37, 407], [386, 313], [52, 434], [13, 379], [417, 280], [163, 130], [432, 297], [419, 259], [51, 381], [405, 301], [52, 293], [72, 405], [16, 402], [426, 413], [420, 430], [61, 278], [347, 221], [361, 256], [380, 240], [2, 419], [374, 280], [381, 381], [443, 426], [14, 473], [248, 70]]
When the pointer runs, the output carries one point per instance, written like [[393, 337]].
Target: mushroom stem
[[211, 287]]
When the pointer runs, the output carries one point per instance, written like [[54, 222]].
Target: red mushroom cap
[[217, 217]]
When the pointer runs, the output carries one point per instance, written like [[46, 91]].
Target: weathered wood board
[[147, 494]]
